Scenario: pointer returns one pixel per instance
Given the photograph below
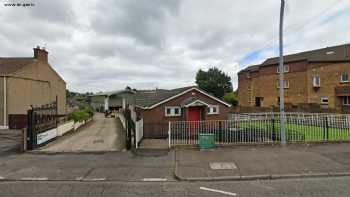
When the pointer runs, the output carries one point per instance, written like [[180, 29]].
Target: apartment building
[[318, 77]]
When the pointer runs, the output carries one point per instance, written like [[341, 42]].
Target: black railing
[[40, 119]]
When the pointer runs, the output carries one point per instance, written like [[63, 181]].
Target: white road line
[[154, 179], [218, 191], [34, 179], [1, 177], [95, 179]]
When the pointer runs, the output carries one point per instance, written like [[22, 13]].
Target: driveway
[[102, 134], [10, 141]]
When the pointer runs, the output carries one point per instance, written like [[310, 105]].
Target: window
[[213, 109], [346, 100], [172, 111], [285, 68], [286, 84], [324, 100], [316, 81], [344, 77]]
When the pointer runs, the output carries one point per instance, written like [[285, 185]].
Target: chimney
[[40, 54]]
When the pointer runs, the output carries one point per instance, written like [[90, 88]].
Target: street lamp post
[[281, 78]]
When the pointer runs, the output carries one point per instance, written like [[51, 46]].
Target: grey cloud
[[104, 45]]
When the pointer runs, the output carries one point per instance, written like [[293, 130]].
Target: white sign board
[[46, 136]]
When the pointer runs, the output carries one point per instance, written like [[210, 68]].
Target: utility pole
[[281, 77]]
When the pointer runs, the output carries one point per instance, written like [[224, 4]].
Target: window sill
[[172, 115], [342, 82], [213, 113]]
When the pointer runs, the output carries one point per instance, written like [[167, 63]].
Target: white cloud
[[105, 45]]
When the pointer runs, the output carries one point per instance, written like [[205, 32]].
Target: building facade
[[25, 82], [159, 107], [313, 78]]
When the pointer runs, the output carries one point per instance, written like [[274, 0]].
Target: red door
[[194, 116]]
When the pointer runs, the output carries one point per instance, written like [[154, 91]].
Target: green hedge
[[80, 115]]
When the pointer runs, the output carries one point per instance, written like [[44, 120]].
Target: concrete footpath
[[263, 162]]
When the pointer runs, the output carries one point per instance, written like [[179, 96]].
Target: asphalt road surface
[[315, 187], [102, 134]]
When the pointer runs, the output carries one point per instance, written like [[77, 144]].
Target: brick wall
[[263, 83], [157, 114]]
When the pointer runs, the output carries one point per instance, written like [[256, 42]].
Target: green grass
[[296, 131]]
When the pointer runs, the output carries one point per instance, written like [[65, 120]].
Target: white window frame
[[172, 111], [314, 81], [285, 68], [285, 83], [322, 100], [211, 111], [341, 78], [346, 100]]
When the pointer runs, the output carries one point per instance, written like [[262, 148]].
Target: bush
[[79, 115], [231, 98]]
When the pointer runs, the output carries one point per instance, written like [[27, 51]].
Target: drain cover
[[222, 166]]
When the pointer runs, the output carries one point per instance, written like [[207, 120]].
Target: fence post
[[325, 129], [30, 130], [169, 135], [273, 129]]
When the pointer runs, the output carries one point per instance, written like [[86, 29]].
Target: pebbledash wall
[[157, 114], [262, 82]]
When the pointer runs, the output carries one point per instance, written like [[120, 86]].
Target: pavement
[[263, 162], [10, 141], [106, 166], [102, 134], [313, 187]]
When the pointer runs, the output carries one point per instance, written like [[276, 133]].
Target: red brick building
[[158, 107], [312, 78]]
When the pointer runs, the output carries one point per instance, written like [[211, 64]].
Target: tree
[[214, 81], [231, 98]]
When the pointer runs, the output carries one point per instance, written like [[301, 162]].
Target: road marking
[[1, 178], [95, 179], [34, 179], [218, 191], [154, 179], [223, 166]]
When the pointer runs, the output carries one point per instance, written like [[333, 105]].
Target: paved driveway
[[102, 134]]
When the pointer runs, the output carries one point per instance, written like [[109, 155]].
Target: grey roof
[[110, 93], [10, 65], [147, 98], [339, 53]]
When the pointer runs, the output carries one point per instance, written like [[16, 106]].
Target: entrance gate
[[42, 124]]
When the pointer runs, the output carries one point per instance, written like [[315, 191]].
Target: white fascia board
[[204, 103]]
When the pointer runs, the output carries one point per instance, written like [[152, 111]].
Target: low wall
[[65, 127]]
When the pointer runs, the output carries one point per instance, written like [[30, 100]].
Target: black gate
[[130, 129], [40, 120]]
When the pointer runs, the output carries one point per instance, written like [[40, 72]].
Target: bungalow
[[158, 107]]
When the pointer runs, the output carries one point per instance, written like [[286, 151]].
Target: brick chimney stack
[[40, 54]]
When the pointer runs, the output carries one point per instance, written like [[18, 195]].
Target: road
[[102, 134], [324, 187]]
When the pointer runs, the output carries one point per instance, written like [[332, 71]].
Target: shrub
[[81, 115]]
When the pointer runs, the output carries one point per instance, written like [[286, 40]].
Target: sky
[[145, 44]]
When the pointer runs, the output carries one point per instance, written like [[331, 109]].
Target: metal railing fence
[[263, 129]]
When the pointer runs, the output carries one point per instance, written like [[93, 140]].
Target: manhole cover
[[223, 166]]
